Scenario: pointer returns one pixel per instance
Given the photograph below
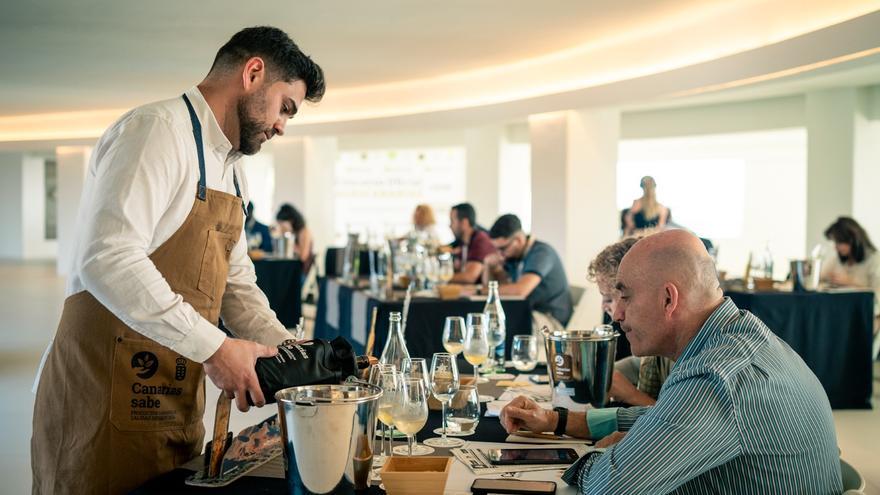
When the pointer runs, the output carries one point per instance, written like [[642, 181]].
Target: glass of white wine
[[464, 410], [391, 383], [447, 267], [454, 330], [525, 352], [444, 385], [476, 343], [410, 411], [374, 378], [417, 368]]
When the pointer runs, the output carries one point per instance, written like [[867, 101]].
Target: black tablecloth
[[832, 332], [348, 315], [281, 281], [488, 430]]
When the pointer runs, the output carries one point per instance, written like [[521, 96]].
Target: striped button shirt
[[740, 413]]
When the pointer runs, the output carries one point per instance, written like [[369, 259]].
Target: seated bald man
[[739, 413]]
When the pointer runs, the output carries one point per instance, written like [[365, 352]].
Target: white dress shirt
[[140, 187]]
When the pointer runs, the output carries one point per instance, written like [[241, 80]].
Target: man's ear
[[670, 299], [253, 74]]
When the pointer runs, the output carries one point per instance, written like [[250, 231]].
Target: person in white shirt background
[[160, 257]]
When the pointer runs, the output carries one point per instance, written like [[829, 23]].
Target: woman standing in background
[[290, 220], [646, 213]]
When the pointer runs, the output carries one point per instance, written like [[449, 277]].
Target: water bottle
[[497, 325], [395, 347], [768, 262]]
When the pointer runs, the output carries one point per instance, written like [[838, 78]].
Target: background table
[[281, 281], [345, 311], [831, 331]]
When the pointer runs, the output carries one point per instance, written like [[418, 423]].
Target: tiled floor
[[30, 305]]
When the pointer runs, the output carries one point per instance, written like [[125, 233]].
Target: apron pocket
[[153, 388], [215, 263]]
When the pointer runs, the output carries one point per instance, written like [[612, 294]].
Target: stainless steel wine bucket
[[328, 433], [580, 364]]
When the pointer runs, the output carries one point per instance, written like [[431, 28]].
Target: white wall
[[11, 242], [73, 163], [866, 166], [774, 192]]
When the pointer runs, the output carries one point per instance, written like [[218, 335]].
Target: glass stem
[[383, 437], [409, 443], [391, 442], [443, 412]]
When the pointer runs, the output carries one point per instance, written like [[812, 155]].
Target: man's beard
[[249, 126]]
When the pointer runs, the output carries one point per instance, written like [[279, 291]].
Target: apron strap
[[197, 134], [202, 193]]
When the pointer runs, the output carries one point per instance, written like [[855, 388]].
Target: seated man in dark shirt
[[471, 244], [532, 269]]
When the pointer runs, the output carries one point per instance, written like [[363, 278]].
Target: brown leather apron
[[114, 408]]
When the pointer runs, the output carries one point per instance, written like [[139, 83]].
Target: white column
[[73, 163], [830, 117], [11, 242], [574, 160], [866, 167], [482, 150], [35, 244], [319, 158]]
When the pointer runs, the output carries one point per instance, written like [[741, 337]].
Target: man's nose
[[618, 313], [279, 127]]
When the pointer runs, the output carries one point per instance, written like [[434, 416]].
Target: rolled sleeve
[[602, 422]]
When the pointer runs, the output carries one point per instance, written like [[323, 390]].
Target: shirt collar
[[718, 319], [212, 134]]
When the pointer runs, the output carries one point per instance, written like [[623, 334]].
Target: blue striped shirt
[[740, 413]]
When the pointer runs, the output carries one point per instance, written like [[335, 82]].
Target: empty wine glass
[[444, 385], [391, 383], [463, 412], [525, 352], [476, 343], [453, 334], [417, 368], [410, 412]]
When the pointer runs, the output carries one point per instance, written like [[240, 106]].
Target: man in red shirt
[[472, 244]]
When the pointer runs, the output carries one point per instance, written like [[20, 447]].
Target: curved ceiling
[[382, 58]]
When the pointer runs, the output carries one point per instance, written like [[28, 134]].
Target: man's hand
[[624, 391], [231, 369], [524, 413], [610, 440], [493, 260]]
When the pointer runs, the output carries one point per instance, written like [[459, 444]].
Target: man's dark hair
[[283, 58], [289, 213], [847, 231], [466, 211], [506, 226]]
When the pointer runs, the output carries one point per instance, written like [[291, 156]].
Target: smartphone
[[540, 379], [484, 486], [531, 456]]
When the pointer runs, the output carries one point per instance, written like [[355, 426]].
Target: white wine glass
[[525, 352], [476, 343], [410, 413], [374, 378], [447, 268], [444, 384], [463, 412], [454, 330], [390, 382]]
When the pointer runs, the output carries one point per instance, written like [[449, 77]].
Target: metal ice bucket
[[805, 274], [328, 435], [580, 364]]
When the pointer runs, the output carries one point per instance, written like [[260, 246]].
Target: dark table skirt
[[281, 281]]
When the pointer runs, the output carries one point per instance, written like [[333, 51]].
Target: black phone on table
[[483, 486], [531, 456]]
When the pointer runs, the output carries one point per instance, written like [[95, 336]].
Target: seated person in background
[[740, 412], [256, 230], [424, 225], [471, 243], [290, 220], [855, 262], [529, 268], [636, 380], [646, 213]]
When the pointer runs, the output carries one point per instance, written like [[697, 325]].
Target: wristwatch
[[561, 422]]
